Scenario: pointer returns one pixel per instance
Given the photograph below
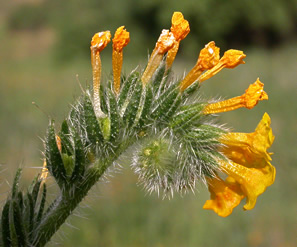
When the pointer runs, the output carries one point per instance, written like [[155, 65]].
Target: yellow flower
[[249, 166], [180, 29], [164, 43], [249, 99], [253, 181], [230, 60], [247, 148], [225, 195], [120, 40], [209, 56]]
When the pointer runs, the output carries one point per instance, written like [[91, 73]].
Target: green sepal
[[54, 160], [133, 105], [175, 104], [93, 131], [6, 239], [165, 101], [65, 139], [18, 225], [186, 116], [80, 159], [144, 115], [158, 78], [15, 186], [126, 92], [113, 116], [104, 123], [204, 135], [191, 90], [68, 164]]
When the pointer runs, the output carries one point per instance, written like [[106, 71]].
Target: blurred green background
[[44, 50]]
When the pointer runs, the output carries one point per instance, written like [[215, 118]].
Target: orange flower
[[100, 40], [164, 43], [230, 60], [249, 99], [180, 29], [98, 43], [120, 40], [209, 56]]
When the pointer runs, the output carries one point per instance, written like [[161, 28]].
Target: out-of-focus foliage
[[229, 23]]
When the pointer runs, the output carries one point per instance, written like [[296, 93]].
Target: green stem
[[64, 205]]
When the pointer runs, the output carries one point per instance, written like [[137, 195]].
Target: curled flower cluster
[[181, 146]]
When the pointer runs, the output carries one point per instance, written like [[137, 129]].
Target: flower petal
[[225, 195], [253, 181]]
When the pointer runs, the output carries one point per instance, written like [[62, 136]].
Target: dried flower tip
[[100, 40], [209, 56], [249, 99], [254, 94], [121, 39], [179, 27], [165, 41]]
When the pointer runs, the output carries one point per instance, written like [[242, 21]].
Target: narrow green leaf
[[5, 225], [42, 204], [35, 191], [15, 186], [30, 212], [19, 226], [20, 200]]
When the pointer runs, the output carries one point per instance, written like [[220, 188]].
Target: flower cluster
[[180, 146]]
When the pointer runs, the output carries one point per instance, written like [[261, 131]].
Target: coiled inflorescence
[[162, 124]]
